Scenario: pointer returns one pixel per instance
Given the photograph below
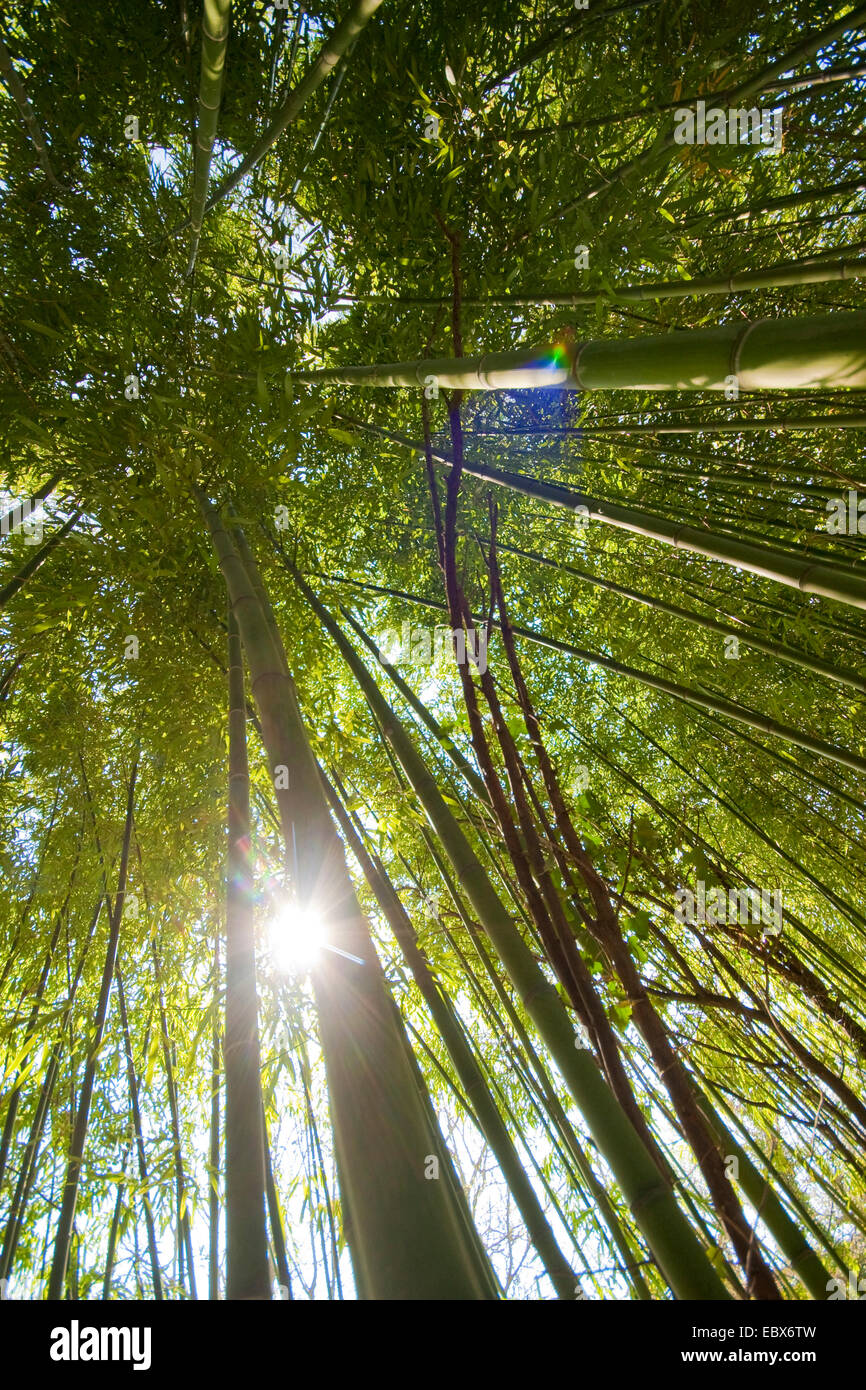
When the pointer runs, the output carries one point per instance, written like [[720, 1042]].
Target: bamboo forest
[[432, 683]]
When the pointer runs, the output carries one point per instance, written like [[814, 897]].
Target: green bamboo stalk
[[132, 1079], [828, 581], [275, 1217], [335, 46], [247, 1274], [766, 425], [783, 960], [823, 78], [823, 351], [486, 1114], [174, 1115], [464, 767], [12, 954], [759, 833], [777, 650], [806, 196], [664, 147], [63, 1237], [787, 1234], [27, 1172], [534, 1075], [579, 23], [811, 271], [38, 558], [713, 704], [407, 1236], [214, 43], [115, 1224], [29, 1027], [28, 116], [650, 1198], [780, 1181]]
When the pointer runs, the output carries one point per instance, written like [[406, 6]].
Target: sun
[[297, 937]]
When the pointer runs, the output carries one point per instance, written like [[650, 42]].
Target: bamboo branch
[[28, 116]]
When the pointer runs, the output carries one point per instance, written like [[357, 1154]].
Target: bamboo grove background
[[215, 223]]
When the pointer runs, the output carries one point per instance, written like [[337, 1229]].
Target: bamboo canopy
[[431, 819]]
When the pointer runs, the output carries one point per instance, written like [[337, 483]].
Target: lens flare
[[297, 937]]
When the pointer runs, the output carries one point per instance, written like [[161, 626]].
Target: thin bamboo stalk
[[11, 518], [63, 1235], [111, 1251], [487, 1116], [174, 1115], [214, 1150], [811, 271], [536, 1078], [686, 694], [796, 572], [18, 581], [27, 1172], [664, 147], [138, 1129], [28, 116], [335, 46], [650, 1198], [275, 1217]]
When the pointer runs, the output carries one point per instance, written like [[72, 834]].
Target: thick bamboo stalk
[[824, 351], [407, 1237], [247, 1273], [828, 581], [63, 1235], [650, 1198], [214, 42]]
